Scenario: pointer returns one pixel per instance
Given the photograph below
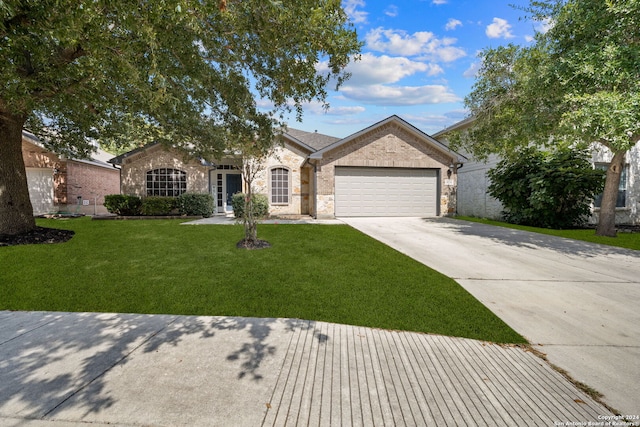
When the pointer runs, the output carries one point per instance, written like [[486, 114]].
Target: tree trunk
[[250, 226], [16, 212], [607, 220]]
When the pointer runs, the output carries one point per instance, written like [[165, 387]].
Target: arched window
[[166, 182], [280, 186]]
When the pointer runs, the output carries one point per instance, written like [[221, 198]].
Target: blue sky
[[418, 61]]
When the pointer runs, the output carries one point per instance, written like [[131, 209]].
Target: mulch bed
[[248, 244], [39, 235]]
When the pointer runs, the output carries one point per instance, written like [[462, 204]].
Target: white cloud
[[373, 69], [439, 2], [499, 29], [434, 70], [391, 11], [344, 111], [472, 71], [356, 16], [452, 24], [543, 25], [400, 95], [316, 107], [422, 43]]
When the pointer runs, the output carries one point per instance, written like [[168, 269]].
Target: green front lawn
[[624, 240], [318, 272]]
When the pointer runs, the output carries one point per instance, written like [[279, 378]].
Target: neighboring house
[[58, 184], [388, 169], [474, 200]]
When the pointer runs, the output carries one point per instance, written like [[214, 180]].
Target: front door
[[233, 186]]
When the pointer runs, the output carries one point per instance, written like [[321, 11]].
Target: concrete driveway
[[579, 303]]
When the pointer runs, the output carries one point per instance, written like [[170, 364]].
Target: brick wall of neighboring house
[[135, 168], [386, 146], [37, 157], [87, 184], [73, 178]]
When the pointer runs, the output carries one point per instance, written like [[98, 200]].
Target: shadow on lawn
[[532, 240], [52, 362]]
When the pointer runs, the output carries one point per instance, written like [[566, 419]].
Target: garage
[[40, 181], [384, 191]]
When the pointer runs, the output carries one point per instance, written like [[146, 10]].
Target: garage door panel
[[385, 192], [40, 182]]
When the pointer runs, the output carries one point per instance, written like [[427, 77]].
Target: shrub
[[546, 189], [260, 205], [195, 204], [122, 204], [157, 205]]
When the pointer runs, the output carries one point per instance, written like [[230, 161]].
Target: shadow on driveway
[[530, 240]]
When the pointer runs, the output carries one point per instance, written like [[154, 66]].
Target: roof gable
[[400, 123], [98, 157]]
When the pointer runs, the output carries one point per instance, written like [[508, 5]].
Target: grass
[[623, 240], [317, 272]]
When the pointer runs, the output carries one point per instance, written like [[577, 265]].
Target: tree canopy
[[577, 84], [183, 71]]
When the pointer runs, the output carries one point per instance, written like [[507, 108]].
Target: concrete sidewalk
[[70, 369], [577, 302]]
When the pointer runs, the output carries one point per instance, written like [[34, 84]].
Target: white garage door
[[386, 192], [40, 183]]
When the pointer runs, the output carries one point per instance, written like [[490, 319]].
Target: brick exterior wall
[[388, 145], [90, 183], [136, 166]]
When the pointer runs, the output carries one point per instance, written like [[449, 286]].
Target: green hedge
[[195, 204], [190, 204], [260, 205], [546, 189], [122, 204], [157, 205]]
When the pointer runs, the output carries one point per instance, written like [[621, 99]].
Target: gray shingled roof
[[315, 140]]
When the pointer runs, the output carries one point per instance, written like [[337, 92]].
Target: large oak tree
[[577, 84], [185, 72]]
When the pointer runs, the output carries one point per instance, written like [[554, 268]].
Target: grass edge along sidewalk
[[624, 240], [330, 273]]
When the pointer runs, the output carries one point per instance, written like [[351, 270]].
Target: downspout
[[315, 190], [119, 173]]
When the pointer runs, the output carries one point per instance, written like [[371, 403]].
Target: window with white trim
[[621, 202], [279, 186], [166, 182]]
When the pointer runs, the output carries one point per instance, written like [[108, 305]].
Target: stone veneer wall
[[135, 168], [386, 146], [292, 159]]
